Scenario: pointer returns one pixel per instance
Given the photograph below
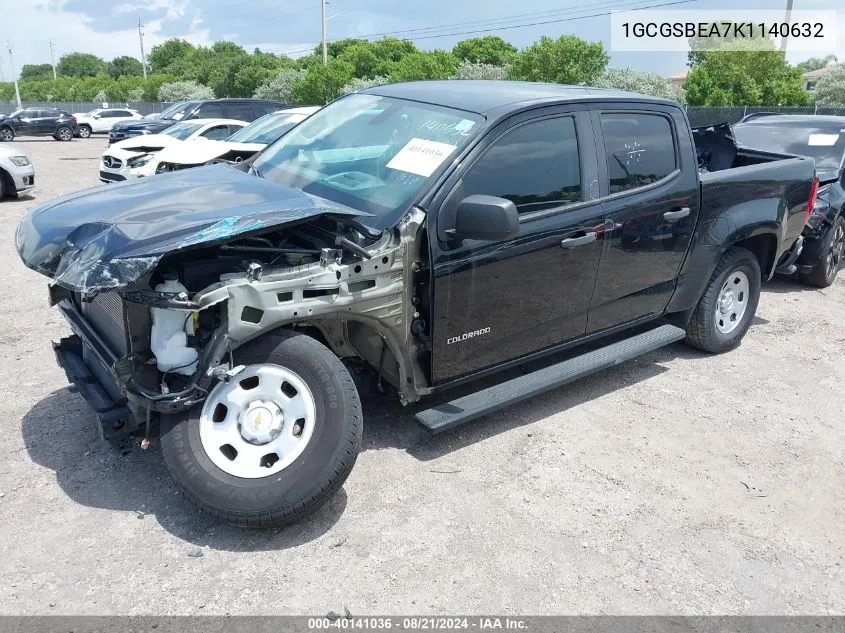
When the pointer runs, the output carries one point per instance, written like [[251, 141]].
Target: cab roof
[[486, 97]]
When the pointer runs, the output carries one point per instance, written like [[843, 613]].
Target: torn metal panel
[[112, 236]]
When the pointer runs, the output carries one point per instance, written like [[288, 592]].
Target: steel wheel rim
[[65, 134], [259, 422], [732, 302], [834, 254]]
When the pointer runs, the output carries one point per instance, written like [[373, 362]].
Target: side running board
[[450, 414]]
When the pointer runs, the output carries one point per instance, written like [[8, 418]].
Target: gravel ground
[[677, 483]]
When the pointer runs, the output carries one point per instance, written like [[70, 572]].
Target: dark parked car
[[239, 109], [417, 236], [822, 138], [59, 124]]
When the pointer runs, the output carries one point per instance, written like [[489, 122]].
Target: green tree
[[169, 52], [817, 63], [36, 71], [322, 82], [125, 66], [740, 75], [644, 83], [336, 49], [390, 49], [81, 65], [360, 83], [363, 59], [566, 60], [830, 89], [424, 65], [307, 61], [489, 49]]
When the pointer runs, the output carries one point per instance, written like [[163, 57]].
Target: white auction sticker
[[823, 140], [421, 157]]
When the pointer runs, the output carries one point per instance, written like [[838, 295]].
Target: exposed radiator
[[105, 314]]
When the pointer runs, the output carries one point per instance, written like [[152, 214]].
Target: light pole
[[14, 75], [788, 21], [325, 42]]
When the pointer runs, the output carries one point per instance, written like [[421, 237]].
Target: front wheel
[[276, 441], [64, 134], [84, 131], [7, 134], [824, 273], [727, 307]]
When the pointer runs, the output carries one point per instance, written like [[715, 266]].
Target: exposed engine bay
[[176, 330]]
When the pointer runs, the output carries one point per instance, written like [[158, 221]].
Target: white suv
[[16, 172], [100, 120]]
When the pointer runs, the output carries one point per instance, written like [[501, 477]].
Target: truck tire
[[726, 309], [824, 273], [293, 413]]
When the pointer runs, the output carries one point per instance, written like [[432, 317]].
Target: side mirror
[[98, 116], [488, 218]]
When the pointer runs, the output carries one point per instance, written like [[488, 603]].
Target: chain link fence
[[144, 107]]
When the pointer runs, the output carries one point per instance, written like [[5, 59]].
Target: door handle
[[574, 242], [671, 216]]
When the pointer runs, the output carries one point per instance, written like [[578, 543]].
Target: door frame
[[434, 205]]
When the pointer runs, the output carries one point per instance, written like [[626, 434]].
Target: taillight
[[72, 118], [811, 203]]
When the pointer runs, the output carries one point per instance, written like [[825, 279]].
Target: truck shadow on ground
[[60, 434]]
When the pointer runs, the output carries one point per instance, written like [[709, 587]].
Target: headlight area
[[19, 161], [139, 161]]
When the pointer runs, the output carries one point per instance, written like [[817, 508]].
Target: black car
[[822, 138], [426, 234], [59, 124], [239, 109]]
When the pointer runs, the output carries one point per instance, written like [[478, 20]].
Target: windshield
[[176, 112], [825, 144], [92, 112], [266, 129], [368, 152], [181, 130], [16, 113]]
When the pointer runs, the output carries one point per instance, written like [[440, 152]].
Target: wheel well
[[764, 247], [8, 182], [85, 125]]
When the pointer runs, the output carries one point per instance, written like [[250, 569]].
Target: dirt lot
[[677, 483]]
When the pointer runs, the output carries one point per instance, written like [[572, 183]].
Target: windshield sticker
[[421, 157], [823, 140]]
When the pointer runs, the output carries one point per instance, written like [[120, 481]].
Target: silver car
[[17, 174]]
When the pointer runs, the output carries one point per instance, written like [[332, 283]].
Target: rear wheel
[[276, 441], [7, 134], [824, 273], [64, 134], [727, 307], [84, 131]]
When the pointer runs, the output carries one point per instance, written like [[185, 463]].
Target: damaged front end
[[160, 290]]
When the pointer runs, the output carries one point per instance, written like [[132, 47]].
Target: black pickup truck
[[416, 237]]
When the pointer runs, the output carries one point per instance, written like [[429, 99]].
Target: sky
[[109, 29]]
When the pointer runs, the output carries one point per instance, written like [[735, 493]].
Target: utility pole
[[53, 59], [143, 57], [14, 75], [325, 41], [788, 20]]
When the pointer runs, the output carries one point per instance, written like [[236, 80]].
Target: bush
[[184, 91], [359, 84], [830, 89], [469, 70], [650, 84], [280, 87]]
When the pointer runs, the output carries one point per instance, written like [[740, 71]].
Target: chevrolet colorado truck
[[416, 235]]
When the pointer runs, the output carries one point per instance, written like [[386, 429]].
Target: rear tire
[[7, 134], [64, 134], [248, 498], [824, 273], [727, 307], [84, 131]]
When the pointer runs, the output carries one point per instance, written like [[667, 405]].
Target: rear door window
[[535, 165], [211, 110], [640, 149]]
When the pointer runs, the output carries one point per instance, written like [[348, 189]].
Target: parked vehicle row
[[417, 237]]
